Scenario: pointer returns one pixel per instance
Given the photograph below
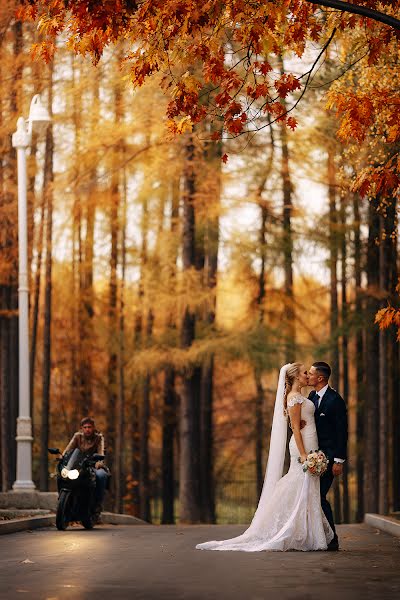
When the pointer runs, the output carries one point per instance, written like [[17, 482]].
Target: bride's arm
[[295, 419]]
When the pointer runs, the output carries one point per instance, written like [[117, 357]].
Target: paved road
[[160, 563]]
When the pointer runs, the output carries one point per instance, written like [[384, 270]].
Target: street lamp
[[37, 122]]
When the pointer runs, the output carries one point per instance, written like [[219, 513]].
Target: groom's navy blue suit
[[331, 422]]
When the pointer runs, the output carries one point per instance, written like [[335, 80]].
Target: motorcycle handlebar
[[53, 451]]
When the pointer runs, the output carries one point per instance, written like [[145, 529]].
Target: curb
[[386, 524], [28, 500], [109, 518], [15, 525]]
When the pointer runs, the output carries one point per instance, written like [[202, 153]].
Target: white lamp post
[[38, 120]]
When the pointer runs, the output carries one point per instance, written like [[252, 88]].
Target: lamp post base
[[23, 486], [23, 482]]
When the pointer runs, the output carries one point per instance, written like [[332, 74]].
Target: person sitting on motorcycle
[[90, 441]]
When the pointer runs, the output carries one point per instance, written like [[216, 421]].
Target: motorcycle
[[76, 483]]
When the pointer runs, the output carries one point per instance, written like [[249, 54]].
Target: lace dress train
[[292, 519]]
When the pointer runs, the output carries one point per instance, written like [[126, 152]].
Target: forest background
[[172, 275]]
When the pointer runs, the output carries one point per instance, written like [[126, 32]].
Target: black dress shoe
[[333, 546]]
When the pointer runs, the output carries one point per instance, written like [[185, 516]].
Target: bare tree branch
[[359, 10]]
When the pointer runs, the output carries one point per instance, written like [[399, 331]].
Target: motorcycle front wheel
[[62, 510]]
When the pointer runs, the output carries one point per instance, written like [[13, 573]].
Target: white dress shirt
[[321, 395]]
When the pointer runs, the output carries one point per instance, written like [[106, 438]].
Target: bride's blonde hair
[[290, 376]]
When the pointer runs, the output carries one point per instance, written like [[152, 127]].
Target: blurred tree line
[[167, 287]]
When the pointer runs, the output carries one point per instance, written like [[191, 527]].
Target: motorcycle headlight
[[64, 472], [73, 474]]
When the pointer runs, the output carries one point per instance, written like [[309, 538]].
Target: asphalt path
[[146, 562]]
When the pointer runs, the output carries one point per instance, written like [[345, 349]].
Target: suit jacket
[[331, 422]]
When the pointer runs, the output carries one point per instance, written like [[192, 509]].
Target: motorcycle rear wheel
[[62, 510], [89, 522]]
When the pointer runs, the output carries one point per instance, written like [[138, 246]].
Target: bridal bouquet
[[316, 463]]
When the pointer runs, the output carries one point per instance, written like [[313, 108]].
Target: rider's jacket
[[93, 445]]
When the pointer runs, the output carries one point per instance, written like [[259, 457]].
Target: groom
[[331, 422]]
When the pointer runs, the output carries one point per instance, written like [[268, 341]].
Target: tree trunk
[[86, 293], [259, 412], [9, 368], [394, 384], [48, 199], [112, 328], [113, 320], [287, 189], [207, 442], [48, 193], [7, 240], [372, 368], [168, 432], [119, 472], [388, 277], [169, 415], [144, 435], [395, 425], [135, 446], [345, 347], [76, 347], [288, 248], [383, 378], [213, 157], [32, 178], [142, 398], [333, 243], [135, 402], [189, 475], [259, 425], [36, 300], [34, 277], [5, 437], [359, 363], [3, 430]]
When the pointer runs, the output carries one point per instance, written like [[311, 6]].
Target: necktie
[[316, 399]]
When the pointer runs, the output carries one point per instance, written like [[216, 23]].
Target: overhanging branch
[[359, 10]]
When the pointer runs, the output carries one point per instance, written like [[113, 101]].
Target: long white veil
[[277, 449], [274, 472]]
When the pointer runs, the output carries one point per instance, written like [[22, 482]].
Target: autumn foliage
[[389, 316], [213, 55]]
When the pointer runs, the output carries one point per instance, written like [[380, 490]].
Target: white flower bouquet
[[316, 463]]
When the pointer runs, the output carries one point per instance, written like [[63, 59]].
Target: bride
[[289, 514]]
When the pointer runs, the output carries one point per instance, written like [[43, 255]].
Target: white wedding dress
[[291, 518]]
